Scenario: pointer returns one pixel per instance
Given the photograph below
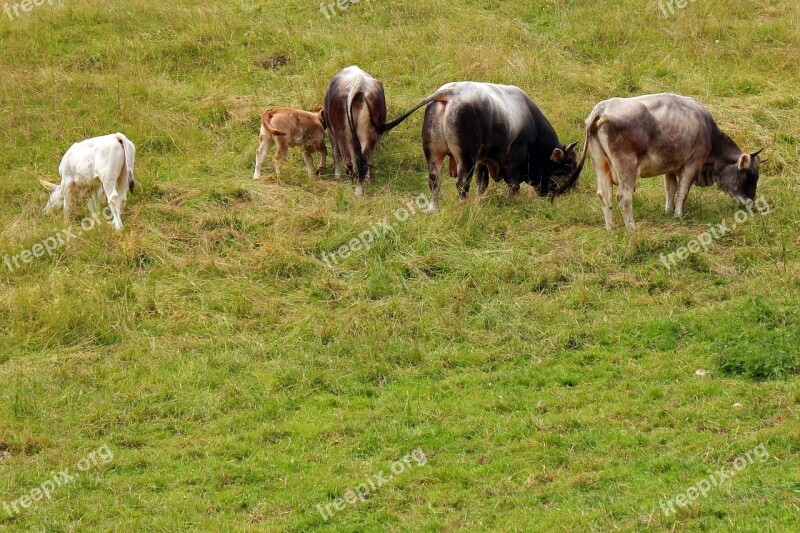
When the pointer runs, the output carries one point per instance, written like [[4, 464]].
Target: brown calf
[[289, 128], [355, 107]]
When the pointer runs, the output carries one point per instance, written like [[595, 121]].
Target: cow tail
[[128, 153], [265, 118], [389, 126], [356, 92], [573, 178]]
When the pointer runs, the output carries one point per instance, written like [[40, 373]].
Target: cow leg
[[123, 188], [337, 156], [114, 204], [605, 191], [688, 176], [515, 168], [280, 155], [436, 148], [605, 181], [435, 163], [625, 198], [465, 171], [66, 193], [625, 169], [368, 148], [348, 156], [323, 160], [265, 143], [482, 179], [671, 186], [309, 159], [123, 201]]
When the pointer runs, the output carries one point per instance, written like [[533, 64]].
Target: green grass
[[545, 366]]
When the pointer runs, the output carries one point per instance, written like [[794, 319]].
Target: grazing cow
[[355, 113], [289, 128], [496, 130], [647, 136], [103, 166]]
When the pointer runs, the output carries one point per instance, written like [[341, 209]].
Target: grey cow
[[668, 134]]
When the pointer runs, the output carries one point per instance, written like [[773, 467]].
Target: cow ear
[[745, 161], [558, 156]]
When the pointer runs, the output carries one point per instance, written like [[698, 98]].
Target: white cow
[[102, 165]]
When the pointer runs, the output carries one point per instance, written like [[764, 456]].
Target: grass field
[[545, 368]]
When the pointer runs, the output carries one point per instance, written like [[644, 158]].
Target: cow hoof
[[359, 192], [432, 209]]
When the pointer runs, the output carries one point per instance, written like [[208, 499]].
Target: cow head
[[560, 166], [740, 179], [56, 200]]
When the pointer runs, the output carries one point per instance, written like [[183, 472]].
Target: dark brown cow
[[355, 113]]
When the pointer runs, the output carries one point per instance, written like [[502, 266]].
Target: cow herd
[[485, 131]]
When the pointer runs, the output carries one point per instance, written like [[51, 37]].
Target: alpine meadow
[[282, 355]]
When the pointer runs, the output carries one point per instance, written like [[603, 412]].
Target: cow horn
[[572, 146], [755, 154]]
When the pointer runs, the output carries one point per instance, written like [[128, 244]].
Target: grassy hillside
[[546, 368]]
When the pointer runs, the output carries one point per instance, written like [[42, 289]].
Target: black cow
[[495, 130]]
